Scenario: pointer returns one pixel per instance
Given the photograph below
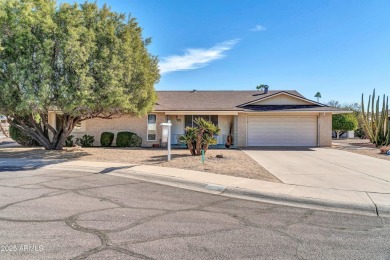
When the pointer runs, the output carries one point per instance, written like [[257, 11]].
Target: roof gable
[[282, 99]]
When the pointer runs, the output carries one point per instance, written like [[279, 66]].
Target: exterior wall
[[282, 99], [242, 131], [137, 125], [325, 129]]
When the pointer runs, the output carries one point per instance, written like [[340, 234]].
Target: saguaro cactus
[[376, 121]]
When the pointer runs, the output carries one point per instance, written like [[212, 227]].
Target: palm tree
[[318, 96], [199, 138]]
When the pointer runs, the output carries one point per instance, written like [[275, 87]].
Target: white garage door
[[282, 131]]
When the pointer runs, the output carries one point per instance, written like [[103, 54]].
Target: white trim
[[284, 93], [147, 130]]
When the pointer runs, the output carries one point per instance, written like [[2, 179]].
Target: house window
[[189, 119], [152, 129]]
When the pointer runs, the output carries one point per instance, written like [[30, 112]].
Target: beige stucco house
[[253, 118]]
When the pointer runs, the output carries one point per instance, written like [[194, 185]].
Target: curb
[[287, 200], [216, 189]]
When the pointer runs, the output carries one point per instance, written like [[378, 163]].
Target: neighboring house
[[253, 118]]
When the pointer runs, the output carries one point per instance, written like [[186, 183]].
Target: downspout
[[318, 130]]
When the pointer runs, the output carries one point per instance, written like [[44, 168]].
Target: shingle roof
[[229, 101], [210, 100]]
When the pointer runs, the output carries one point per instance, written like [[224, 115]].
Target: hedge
[[128, 139], [106, 139]]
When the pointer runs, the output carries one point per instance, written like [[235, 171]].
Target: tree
[[318, 96], [343, 123], [80, 60], [199, 138]]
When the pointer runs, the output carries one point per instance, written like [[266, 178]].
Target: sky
[[339, 48]]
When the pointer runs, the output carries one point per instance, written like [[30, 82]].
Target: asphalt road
[[64, 215]]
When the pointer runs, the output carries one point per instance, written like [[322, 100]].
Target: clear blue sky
[[340, 48]]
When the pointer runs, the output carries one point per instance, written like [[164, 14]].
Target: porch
[[226, 122]]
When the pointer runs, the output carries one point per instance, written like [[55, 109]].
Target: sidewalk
[[359, 202]]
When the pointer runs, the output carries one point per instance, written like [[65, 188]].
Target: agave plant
[[376, 121], [199, 138]]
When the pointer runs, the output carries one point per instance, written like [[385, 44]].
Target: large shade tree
[[80, 60]]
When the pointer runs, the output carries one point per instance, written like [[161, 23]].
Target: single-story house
[[252, 118]]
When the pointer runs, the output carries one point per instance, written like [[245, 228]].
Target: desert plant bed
[[233, 162]]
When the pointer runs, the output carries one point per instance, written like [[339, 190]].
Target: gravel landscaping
[[360, 146], [233, 163]]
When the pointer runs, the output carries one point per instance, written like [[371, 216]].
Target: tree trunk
[[39, 131], [205, 148], [199, 143], [337, 134], [191, 147]]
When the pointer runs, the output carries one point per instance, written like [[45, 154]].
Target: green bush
[[86, 140], [360, 133], [21, 138], [106, 139], [135, 141], [128, 139], [69, 141]]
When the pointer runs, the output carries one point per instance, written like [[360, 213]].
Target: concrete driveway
[[325, 168]]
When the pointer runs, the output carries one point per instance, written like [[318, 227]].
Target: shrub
[[69, 141], [21, 138], [106, 139], [136, 141], [128, 139], [86, 140], [360, 133]]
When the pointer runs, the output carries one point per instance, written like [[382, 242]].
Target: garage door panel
[[282, 131]]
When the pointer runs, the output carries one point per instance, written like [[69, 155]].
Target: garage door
[[282, 131]]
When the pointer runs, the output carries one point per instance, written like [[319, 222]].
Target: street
[[58, 214]]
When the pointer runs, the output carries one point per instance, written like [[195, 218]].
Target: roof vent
[[266, 89], [194, 91]]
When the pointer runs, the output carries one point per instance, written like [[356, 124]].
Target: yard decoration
[[229, 139], [199, 138], [81, 60], [376, 120]]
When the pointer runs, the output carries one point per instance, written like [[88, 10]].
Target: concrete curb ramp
[[358, 202]]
